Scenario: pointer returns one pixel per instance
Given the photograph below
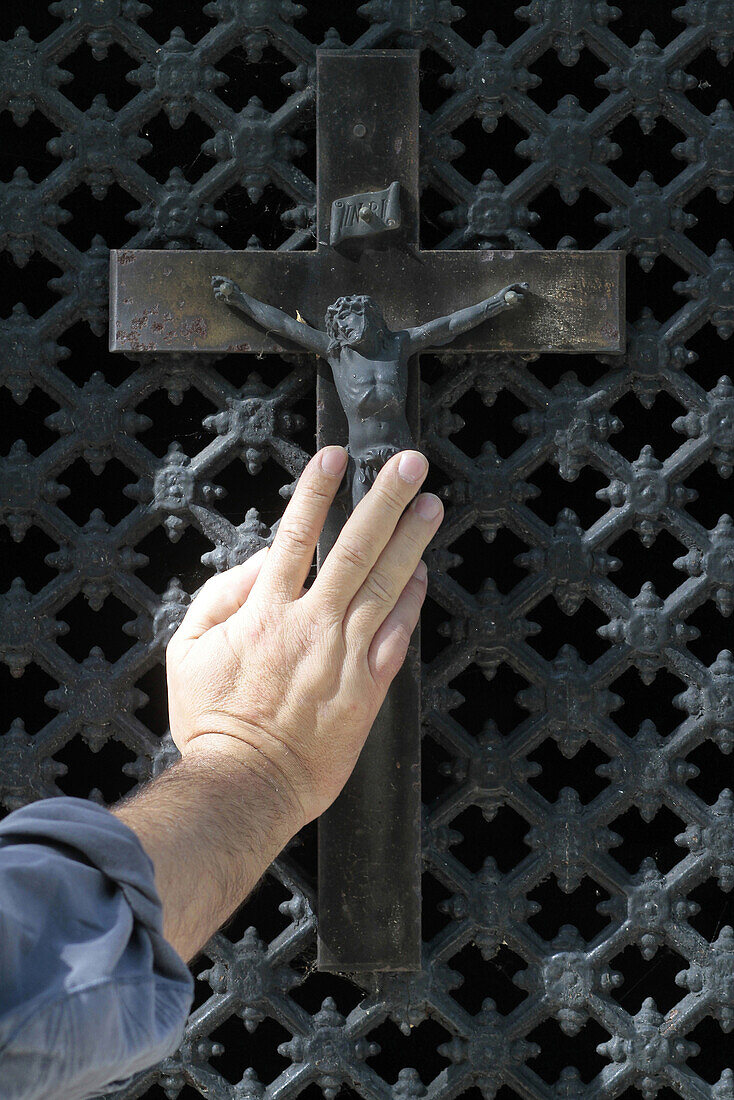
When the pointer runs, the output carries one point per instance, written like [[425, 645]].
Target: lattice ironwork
[[578, 693]]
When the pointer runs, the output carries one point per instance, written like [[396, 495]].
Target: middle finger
[[367, 531]]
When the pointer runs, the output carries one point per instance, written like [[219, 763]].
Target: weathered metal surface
[[644, 431], [162, 301]]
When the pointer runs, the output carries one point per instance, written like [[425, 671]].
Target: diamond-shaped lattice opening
[[716, 908], [713, 223], [648, 978], [262, 80], [89, 213], [577, 219], [101, 770], [502, 838], [432, 67], [551, 367], [244, 1050], [259, 218], [433, 783], [175, 148], [27, 284], [181, 423], [715, 768], [640, 562], [27, 418], [714, 355], [654, 288], [555, 79], [636, 18], [88, 354], [558, 1050], [26, 558], [654, 838], [86, 72], [488, 559], [558, 772], [433, 893], [485, 704], [154, 714], [505, 709], [714, 495], [26, 146], [318, 986], [496, 149], [168, 559], [578, 908], [647, 427], [643, 701], [493, 423], [432, 643], [487, 978], [245, 491], [261, 910], [101, 628], [715, 1056], [436, 219], [713, 83], [417, 1049], [558, 629], [716, 632], [23, 697], [579, 494], [90, 491], [641, 152]]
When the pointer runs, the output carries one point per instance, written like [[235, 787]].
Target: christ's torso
[[373, 393]]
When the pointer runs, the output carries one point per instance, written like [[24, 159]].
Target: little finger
[[390, 644]]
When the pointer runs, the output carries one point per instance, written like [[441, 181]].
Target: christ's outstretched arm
[[442, 330], [270, 318]]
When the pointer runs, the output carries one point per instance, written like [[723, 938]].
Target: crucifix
[[365, 300]]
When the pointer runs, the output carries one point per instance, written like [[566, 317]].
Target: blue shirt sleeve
[[91, 992]]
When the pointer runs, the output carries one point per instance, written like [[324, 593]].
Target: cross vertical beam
[[369, 846]]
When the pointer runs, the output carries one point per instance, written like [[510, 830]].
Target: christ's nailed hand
[[290, 680]]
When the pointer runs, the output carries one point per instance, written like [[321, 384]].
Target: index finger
[[291, 553]]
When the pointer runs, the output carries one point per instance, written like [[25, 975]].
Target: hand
[[506, 298], [290, 680], [223, 287]]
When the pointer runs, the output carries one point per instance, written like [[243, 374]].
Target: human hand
[[288, 680]]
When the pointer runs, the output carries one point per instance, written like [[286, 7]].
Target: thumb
[[220, 597]]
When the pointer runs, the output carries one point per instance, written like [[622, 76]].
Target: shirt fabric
[[91, 992]]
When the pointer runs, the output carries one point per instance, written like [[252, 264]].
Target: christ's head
[[352, 319]]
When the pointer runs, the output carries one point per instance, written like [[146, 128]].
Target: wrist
[[239, 765]]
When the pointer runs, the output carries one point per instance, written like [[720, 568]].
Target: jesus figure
[[369, 362]]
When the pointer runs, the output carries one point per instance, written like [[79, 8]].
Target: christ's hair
[[358, 302]]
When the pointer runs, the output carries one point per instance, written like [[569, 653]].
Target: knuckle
[[388, 494], [380, 587], [355, 550], [296, 536]]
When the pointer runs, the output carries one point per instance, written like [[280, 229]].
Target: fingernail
[[421, 571], [427, 506], [334, 461], [412, 466]]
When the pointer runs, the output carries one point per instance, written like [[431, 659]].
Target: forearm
[[211, 825]]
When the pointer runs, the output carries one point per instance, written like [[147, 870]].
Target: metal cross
[[369, 895]]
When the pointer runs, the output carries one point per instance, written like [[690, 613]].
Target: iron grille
[[578, 693]]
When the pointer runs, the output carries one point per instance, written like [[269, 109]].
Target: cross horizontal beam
[[163, 301]]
